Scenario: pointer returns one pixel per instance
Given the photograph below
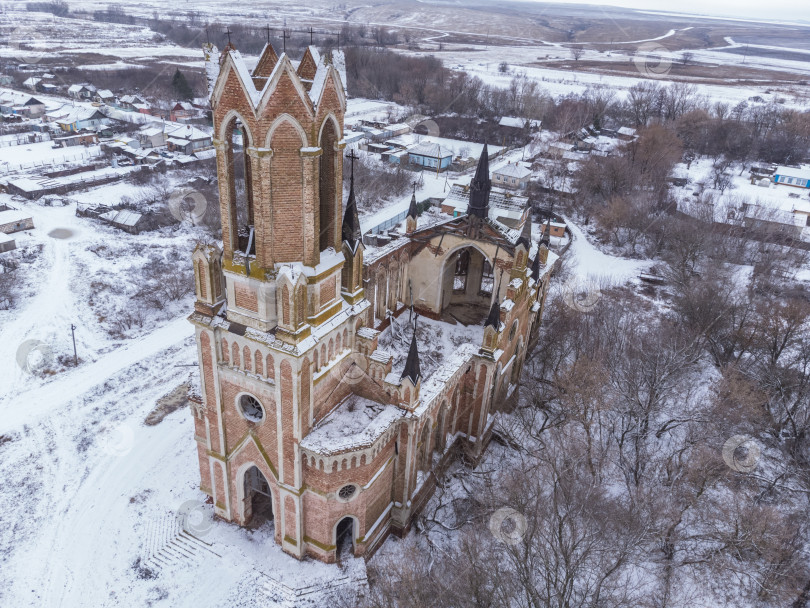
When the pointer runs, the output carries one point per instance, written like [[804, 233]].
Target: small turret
[[413, 212], [412, 369], [525, 238], [536, 266], [494, 316], [350, 230]]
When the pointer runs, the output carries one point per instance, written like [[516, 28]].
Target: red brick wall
[[289, 518], [246, 297], [327, 291], [323, 514], [286, 175], [236, 426]]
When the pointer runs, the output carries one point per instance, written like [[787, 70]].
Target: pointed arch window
[[487, 279], [462, 269]]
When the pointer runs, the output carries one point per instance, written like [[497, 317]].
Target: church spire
[[480, 187], [536, 266], [412, 210], [412, 368], [494, 316], [351, 232], [526, 233]]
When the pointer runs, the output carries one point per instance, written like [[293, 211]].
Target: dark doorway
[[345, 537], [258, 499]]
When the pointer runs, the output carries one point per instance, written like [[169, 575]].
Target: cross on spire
[[228, 33], [267, 31], [412, 209], [352, 156], [310, 35], [284, 35]]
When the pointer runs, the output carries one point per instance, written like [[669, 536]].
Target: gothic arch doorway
[[344, 537], [258, 498]]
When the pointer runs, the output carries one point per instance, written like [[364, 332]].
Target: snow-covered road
[[588, 263]]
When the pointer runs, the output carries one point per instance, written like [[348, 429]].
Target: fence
[[389, 223], [23, 139], [51, 162]]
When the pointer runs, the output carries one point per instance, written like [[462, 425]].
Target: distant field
[[772, 53]]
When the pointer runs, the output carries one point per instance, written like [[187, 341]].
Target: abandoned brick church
[[333, 388]]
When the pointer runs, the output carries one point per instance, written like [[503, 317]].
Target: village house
[[798, 177], [7, 243], [133, 103], [14, 220], [315, 409], [82, 138], [81, 91], [555, 228], [430, 156], [511, 175], [626, 133], [790, 217], [31, 83], [152, 136], [186, 139], [519, 124], [79, 118], [105, 96], [20, 104], [181, 111], [126, 220]]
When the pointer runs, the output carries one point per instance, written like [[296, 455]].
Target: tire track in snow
[[27, 407]]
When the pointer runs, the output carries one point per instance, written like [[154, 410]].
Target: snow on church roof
[[319, 81], [355, 423]]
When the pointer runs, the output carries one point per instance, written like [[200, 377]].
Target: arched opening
[[517, 364], [439, 442], [258, 506], [424, 449], [467, 286], [328, 186], [240, 186], [344, 537]]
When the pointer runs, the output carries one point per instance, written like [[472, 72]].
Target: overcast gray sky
[[777, 10]]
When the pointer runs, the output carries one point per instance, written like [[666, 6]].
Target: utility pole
[[73, 334]]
